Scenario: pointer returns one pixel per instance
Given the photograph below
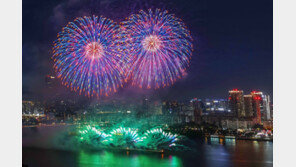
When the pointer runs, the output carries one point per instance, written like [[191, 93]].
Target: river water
[[240, 154], [212, 153]]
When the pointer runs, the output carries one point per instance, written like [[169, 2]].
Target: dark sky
[[233, 43]]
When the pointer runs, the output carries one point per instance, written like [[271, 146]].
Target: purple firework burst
[[158, 46], [86, 56]]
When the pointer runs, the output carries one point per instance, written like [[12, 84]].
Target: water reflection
[[106, 158], [230, 142], [220, 141], [211, 154]]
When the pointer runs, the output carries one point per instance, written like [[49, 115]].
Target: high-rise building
[[248, 105], [50, 81], [145, 105], [271, 111], [236, 103], [144, 108], [257, 105], [265, 105], [216, 106], [198, 108], [187, 112]]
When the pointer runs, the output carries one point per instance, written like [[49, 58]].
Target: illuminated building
[[30, 108], [261, 105], [145, 105], [216, 106], [248, 105], [186, 112], [257, 105], [171, 107], [266, 107], [50, 81], [271, 111], [236, 103], [27, 107], [198, 108]]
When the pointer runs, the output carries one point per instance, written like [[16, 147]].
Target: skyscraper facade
[[266, 107], [257, 106], [248, 106], [236, 103]]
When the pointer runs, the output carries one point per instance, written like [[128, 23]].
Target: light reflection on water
[[105, 158], [220, 141], [211, 154]]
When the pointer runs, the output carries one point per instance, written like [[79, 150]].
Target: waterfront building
[[257, 106], [216, 106], [266, 107], [236, 103], [248, 106], [236, 124], [31, 108]]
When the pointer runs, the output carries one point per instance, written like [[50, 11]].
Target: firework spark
[[158, 46], [125, 137], [93, 136], [86, 56], [122, 137], [158, 139]]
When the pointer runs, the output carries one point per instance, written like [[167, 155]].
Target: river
[[238, 153]]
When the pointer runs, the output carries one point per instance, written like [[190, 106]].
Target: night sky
[[233, 43]]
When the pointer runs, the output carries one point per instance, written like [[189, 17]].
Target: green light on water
[[105, 158]]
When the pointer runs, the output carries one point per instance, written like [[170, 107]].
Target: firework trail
[[153, 139], [87, 58], [158, 46], [92, 136], [126, 137], [158, 139]]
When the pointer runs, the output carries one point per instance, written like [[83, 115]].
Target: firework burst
[[93, 136], [124, 137], [158, 46], [158, 139], [86, 56]]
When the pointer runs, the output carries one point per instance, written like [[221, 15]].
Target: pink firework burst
[[158, 47]]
